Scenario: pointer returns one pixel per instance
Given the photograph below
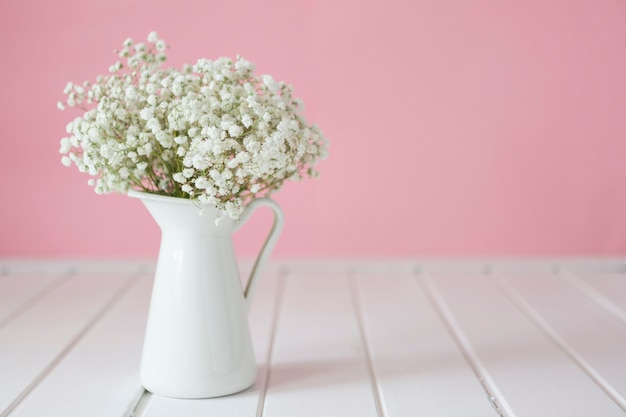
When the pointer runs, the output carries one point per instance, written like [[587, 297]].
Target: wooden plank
[[319, 367], [100, 376], [33, 343], [244, 404], [18, 292], [593, 337], [419, 369], [533, 376]]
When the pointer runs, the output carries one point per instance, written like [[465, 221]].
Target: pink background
[[457, 128]]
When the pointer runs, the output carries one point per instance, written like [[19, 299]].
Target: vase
[[197, 342]]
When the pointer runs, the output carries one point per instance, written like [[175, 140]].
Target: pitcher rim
[[160, 197]]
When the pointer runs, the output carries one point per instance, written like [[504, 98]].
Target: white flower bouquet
[[212, 132]]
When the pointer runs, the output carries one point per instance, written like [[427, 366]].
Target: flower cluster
[[213, 131]]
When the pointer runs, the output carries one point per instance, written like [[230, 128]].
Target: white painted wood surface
[[333, 339]]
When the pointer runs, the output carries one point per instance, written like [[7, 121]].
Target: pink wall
[[457, 128]]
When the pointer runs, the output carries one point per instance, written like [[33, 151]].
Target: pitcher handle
[[269, 244]]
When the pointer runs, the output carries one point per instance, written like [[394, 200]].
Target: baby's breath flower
[[212, 131], [115, 67]]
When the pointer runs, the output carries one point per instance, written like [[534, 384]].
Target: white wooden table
[[334, 339]]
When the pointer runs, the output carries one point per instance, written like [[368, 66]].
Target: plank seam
[[595, 295], [376, 390], [278, 306], [115, 298], [32, 300], [524, 306], [494, 396], [138, 406]]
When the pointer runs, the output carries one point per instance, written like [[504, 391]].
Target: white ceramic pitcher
[[197, 342]]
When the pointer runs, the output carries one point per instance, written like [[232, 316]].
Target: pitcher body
[[197, 342]]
